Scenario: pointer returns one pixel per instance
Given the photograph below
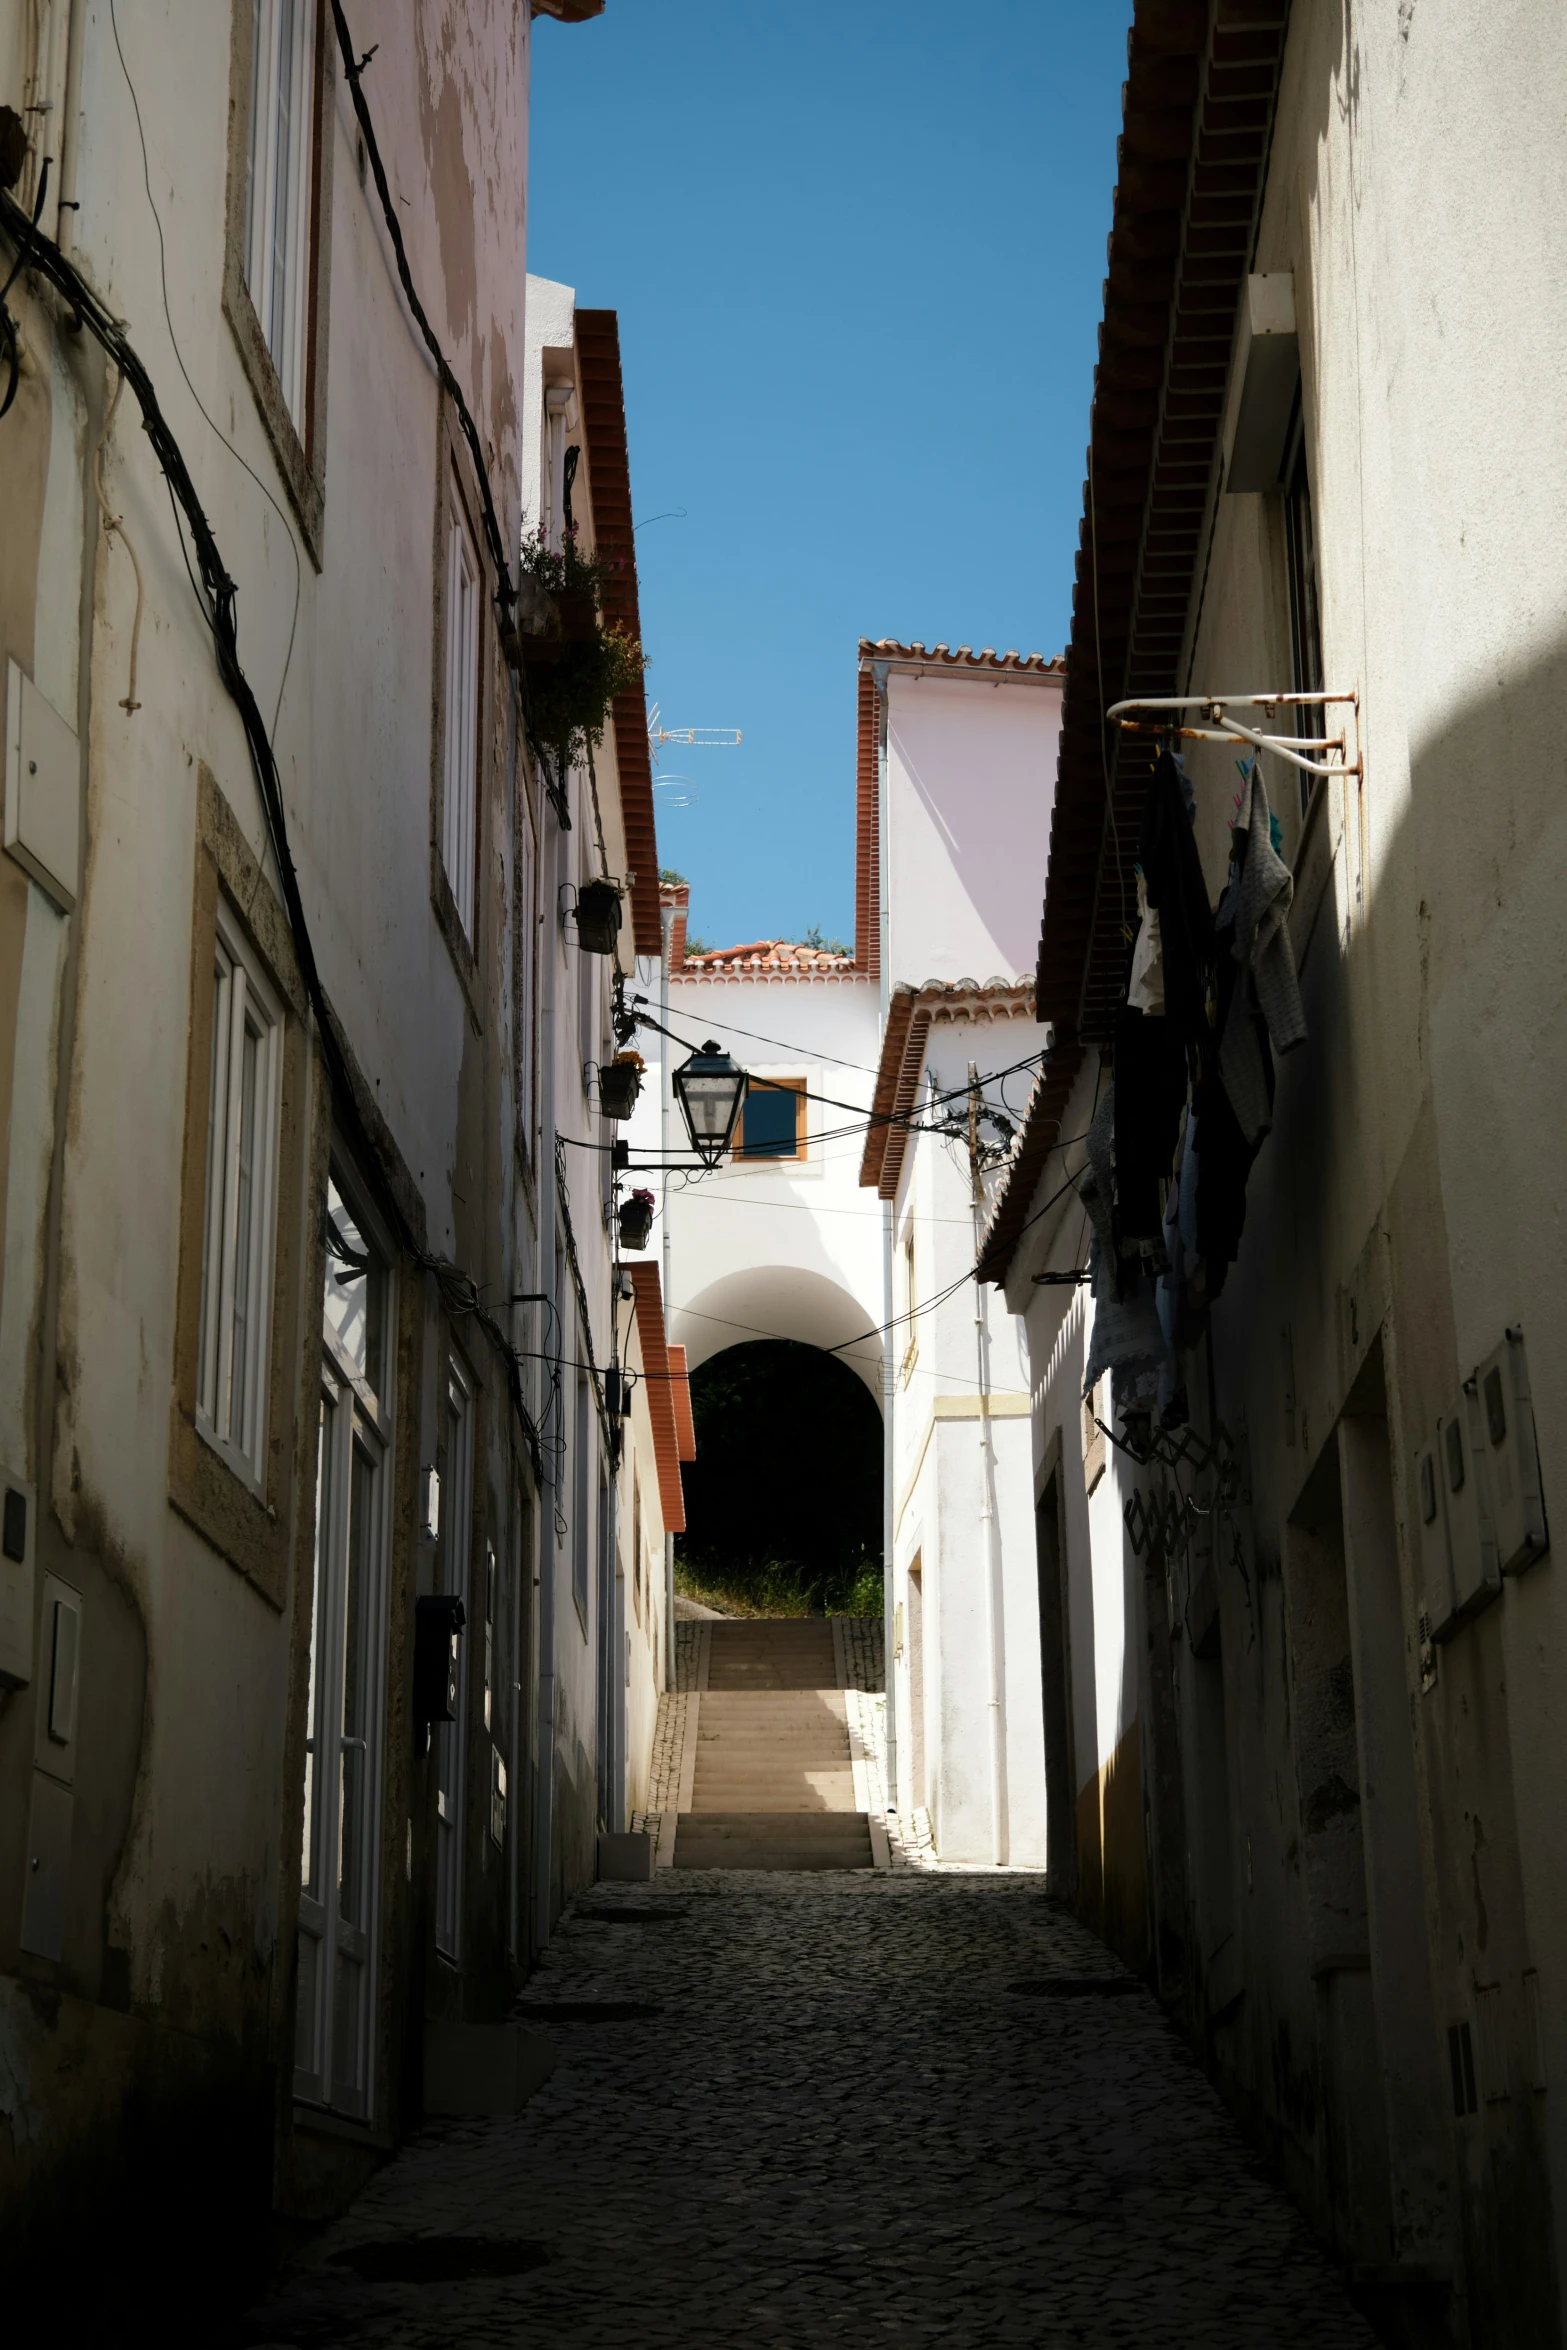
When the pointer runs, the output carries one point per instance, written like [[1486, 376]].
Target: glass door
[[450, 1737], [338, 1876]]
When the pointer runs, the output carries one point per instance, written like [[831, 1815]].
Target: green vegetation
[[782, 1590]]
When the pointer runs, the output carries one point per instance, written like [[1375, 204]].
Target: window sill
[[320, 2121], [225, 1509], [237, 1463]]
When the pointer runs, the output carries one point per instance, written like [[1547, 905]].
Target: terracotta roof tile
[[964, 657], [680, 1389], [911, 1015], [768, 958], [609, 474], [658, 1380]]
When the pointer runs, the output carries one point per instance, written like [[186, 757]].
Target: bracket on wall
[[1216, 726]]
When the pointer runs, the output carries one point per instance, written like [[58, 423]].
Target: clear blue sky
[[857, 248]]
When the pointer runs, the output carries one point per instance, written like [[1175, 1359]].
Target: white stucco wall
[[971, 764], [778, 1250]]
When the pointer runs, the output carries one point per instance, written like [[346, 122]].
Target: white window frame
[[245, 1006], [451, 1738], [278, 194], [359, 1403], [460, 773]]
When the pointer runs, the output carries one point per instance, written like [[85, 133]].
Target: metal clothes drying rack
[[1136, 717]]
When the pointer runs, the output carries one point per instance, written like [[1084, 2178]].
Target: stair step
[[773, 1840]]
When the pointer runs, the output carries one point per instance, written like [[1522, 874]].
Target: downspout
[[70, 144], [888, 1394], [666, 917], [995, 1616]]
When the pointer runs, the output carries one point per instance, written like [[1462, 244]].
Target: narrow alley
[[735, 2148], [783, 1334]]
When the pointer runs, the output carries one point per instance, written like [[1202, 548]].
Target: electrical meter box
[[1512, 1456], [1461, 1454], [42, 790], [1437, 1601], [18, 1509]]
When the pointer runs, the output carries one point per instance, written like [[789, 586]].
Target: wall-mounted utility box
[[59, 1680], [1512, 1456], [18, 1510], [1477, 1578], [1263, 387], [42, 790]]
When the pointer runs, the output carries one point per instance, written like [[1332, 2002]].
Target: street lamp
[[710, 1088]]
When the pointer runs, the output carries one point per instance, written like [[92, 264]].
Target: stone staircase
[[768, 1776]]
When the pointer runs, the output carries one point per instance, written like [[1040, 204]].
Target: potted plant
[[620, 1081], [574, 663], [598, 917], [636, 1219]]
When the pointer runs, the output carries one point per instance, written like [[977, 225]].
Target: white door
[[338, 1877], [451, 1737]]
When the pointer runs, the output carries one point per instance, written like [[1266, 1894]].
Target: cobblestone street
[[892, 2106]]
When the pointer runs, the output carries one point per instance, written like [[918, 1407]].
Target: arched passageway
[[784, 1498], [779, 1300]]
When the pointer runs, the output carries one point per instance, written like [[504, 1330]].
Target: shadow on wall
[[1112, 1876]]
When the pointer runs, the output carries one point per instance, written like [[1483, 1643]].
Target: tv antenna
[[680, 791]]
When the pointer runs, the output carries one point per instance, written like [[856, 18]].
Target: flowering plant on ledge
[[575, 663]]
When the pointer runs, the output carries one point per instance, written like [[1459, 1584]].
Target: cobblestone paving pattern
[[842, 2124]]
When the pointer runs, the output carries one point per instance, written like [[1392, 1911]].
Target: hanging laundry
[[1224, 1160], [1178, 894], [1126, 1339], [1264, 1005], [1145, 988], [1150, 1092]]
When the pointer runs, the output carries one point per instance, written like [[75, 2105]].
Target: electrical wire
[[865, 1120], [216, 593], [784, 1044]]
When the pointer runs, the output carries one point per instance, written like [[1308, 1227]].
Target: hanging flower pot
[[636, 1219], [598, 917], [620, 1081]]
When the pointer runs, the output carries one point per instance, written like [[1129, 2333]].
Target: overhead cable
[[216, 592]]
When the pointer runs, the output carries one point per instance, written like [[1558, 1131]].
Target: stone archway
[[781, 1301]]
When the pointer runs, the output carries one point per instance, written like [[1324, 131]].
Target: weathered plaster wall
[[180, 1917], [1365, 1856]]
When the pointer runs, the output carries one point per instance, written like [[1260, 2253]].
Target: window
[[338, 1878], [772, 1119], [241, 1194], [456, 1535], [278, 197], [459, 800], [1300, 539]]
